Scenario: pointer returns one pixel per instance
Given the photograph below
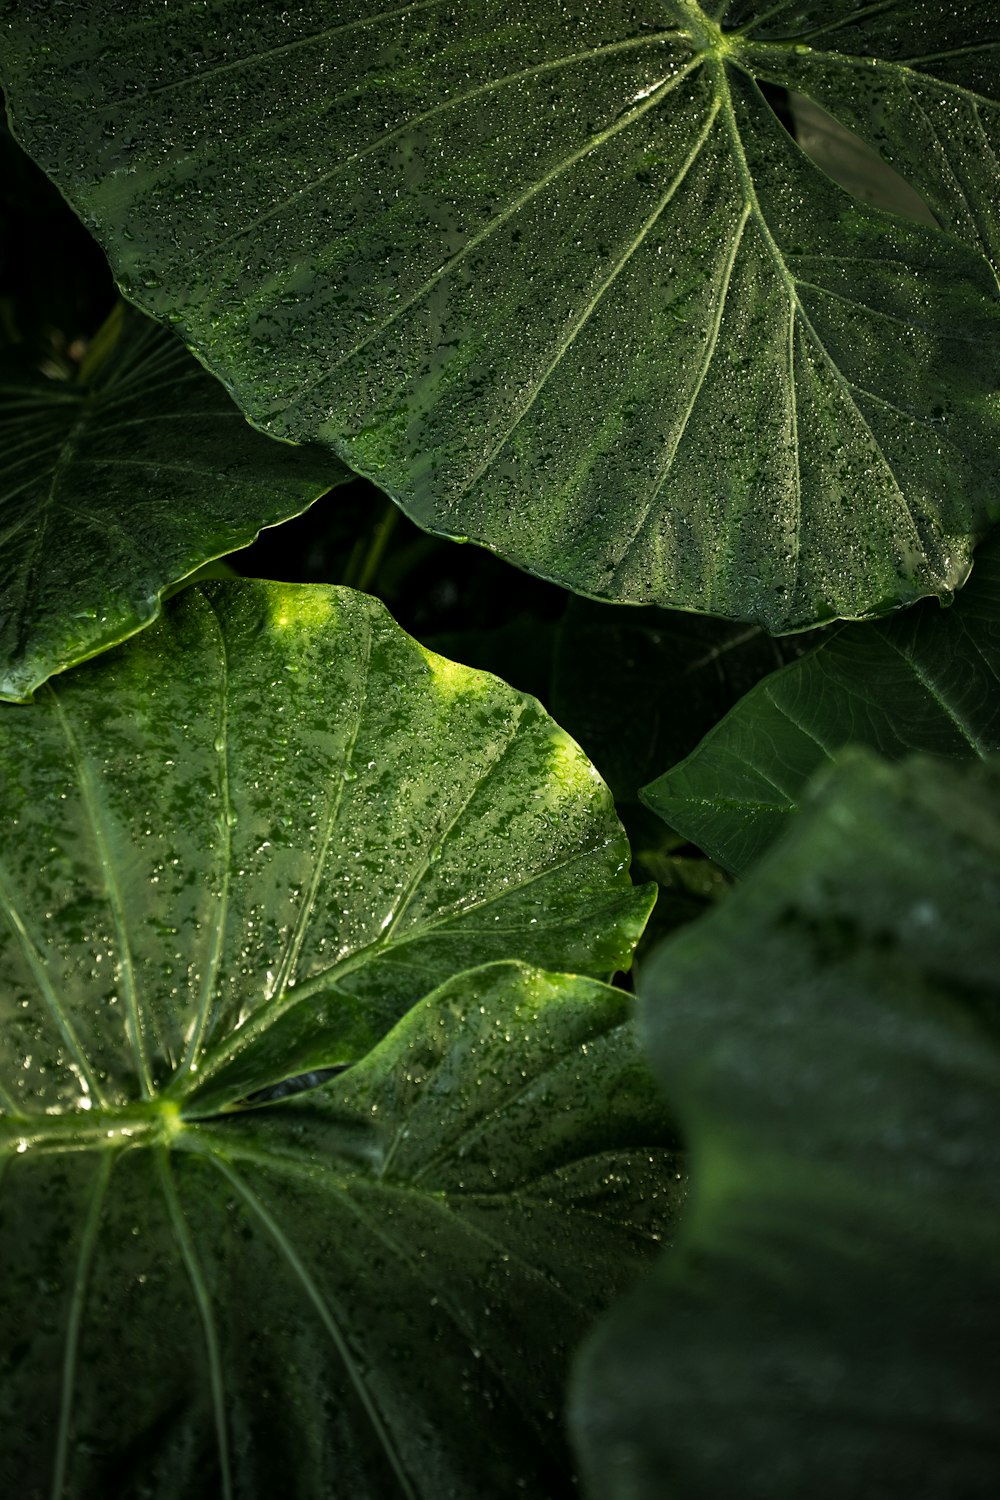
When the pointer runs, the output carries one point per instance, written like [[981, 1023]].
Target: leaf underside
[[926, 681], [560, 281], [112, 488], [828, 1320]]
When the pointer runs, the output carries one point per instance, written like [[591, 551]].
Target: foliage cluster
[[544, 1038]]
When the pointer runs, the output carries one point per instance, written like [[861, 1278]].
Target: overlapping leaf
[[262, 830], [371, 1289], [115, 485], [558, 279], [927, 680], [639, 688], [828, 1321]]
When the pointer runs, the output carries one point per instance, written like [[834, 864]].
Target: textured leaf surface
[[927, 680], [115, 485], [369, 1290], [271, 818], [558, 279], [828, 1321]]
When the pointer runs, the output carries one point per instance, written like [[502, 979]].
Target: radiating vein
[[702, 374], [440, 837], [927, 682], [74, 1318], [330, 1316], [799, 724], [39, 973], [586, 313], [285, 976], [323, 1180], [454, 101], [205, 1311], [283, 48], [210, 974], [9, 1107], [88, 797], [591, 144], [454, 1145], [867, 12], [786, 276], [769, 15], [378, 949]]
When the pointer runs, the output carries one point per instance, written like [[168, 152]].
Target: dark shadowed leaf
[[639, 687], [828, 1322], [927, 680], [116, 484], [263, 829], [556, 276], [371, 1289]]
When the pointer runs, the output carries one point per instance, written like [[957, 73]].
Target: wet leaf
[[242, 845], [827, 1322], [927, 680], [556, 276], [116, 484], [375, 1285]]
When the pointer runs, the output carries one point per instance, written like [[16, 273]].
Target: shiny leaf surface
[[927, 680], [827, 1322], [557, 278], [242, 845], [118, 483], [370, 1289]]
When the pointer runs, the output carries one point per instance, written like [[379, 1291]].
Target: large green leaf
[[273, 817], [828, 1322], [370, 1290], [118, 483], [556, 276], [927, 680]]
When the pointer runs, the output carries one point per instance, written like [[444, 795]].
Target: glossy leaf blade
[[560, 281], [917, 80], [251, 838], [115, 486], [830, 1036], [372, 1289], [927, 681]]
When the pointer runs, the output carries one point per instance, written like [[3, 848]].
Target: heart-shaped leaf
[[927, 680], [371, 1289], [558, 279], [117, 484], [264, 828], [827, 1324]]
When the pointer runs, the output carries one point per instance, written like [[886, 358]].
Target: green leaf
[[371, 1289], [927, 680], [638, 688], [117, 484], [557, 278], [262, 830], [914, 79], [827, 1324]]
